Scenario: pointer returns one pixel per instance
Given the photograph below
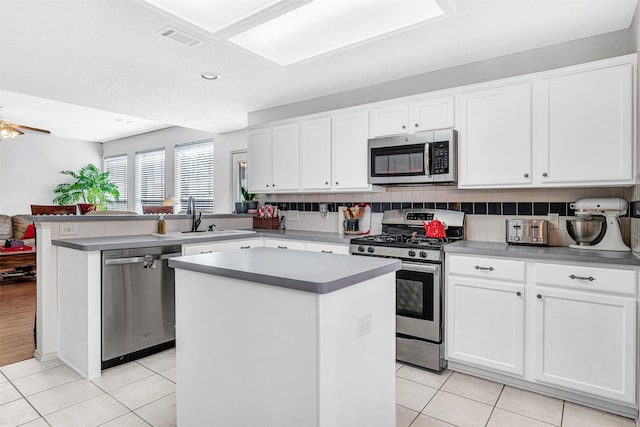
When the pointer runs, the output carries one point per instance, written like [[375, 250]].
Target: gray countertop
[[553, 253], [107, 216], [300, 270], [148, 240]]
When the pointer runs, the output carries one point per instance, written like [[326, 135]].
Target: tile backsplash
[[486, 210]]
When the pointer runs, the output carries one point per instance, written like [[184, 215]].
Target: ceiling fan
[[13, 130]]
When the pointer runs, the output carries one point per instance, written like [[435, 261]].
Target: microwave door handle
[[427, 159]]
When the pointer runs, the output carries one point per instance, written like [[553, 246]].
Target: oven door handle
[[420, 268]]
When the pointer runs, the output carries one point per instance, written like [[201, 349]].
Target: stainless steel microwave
[[421, 158]]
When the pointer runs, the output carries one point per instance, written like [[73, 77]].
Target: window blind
[[194, 174], [149, 178], [116, 166]]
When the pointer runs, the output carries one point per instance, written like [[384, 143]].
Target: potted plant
[[249, 198], [90, 186]]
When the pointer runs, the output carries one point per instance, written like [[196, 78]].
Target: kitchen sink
[[199, 234]]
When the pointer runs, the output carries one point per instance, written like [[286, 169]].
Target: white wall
[[634, 30], [223, 144], [30, 166]]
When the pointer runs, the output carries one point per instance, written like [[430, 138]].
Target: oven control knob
[[360, 248], [412, 253], [423, 254], [371, 249]]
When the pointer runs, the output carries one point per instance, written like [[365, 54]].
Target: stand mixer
[[610, 237]]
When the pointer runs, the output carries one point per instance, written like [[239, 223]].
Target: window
[[116, 166], [149, 178], [194, 174]]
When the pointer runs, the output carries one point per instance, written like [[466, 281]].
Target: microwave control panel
[[439, 158]]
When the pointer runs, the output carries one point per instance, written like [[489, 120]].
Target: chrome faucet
[[191, 210]]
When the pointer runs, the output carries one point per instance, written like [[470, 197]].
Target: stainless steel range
[[419, 283]]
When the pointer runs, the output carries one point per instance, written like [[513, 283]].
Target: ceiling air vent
[[179, 36]]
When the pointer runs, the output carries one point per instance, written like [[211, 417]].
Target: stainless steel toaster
[[528, 231]]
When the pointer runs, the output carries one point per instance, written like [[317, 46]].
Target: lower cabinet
[[230, 245], [485, 323], [581, 321]]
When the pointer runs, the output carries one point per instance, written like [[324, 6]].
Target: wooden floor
[[17, 316]]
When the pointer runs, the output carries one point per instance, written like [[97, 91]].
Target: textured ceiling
[[106, 56]]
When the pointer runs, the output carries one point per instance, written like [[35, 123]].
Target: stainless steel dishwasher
[[138, 303]]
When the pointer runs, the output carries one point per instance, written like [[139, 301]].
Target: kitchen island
[[269, 339]]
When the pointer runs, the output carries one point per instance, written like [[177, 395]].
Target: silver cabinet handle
[[326, 252], [206, 252], [519, 293], [282, 247], [245, 247], [477, 267], [574, 277]]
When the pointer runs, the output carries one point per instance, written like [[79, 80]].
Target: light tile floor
[[142, 393]]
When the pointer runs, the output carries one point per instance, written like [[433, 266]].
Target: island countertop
[[314, 272]]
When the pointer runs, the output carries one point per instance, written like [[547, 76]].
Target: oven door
[[418, 308]]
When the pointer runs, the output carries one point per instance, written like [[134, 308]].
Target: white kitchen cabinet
[[584, 331], [260, 179], [583, 128], [285, 157], [433, 113], [390, 120], [328, 248], [568, 327], [494, 137], [284, 244], [203, 248], [350, 134], [315, 154], [485, 317]]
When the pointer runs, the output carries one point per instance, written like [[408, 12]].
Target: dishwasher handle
[[137, 259]]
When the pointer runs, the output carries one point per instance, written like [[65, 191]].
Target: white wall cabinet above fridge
[[416, 116], [569, 127]]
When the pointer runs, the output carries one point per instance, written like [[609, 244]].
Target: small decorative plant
[[89, 186], [246, 196]]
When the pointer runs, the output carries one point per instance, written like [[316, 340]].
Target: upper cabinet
[[415, 116], [494, 136], [315, 153], [583, 131], [274, 156], [565, 128], [349, 165]]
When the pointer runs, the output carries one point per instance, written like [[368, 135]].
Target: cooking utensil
[[586, 230]]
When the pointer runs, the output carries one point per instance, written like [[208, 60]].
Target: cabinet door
[[585, 341], [495, 137], [259, 157], [349, 151], [432, 114], [315, 154], [286, 157], [583, 128], [392, 120], [485, 324]]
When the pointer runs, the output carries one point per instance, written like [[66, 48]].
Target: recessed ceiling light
[[209, 76], [322, 26]]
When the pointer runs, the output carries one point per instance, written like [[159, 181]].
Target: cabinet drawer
[[204, 248], [578, 276], [486, 267], [284, 244], [328, 248], [244, 244]]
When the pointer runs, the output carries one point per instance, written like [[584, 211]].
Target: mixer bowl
[[586, 231]]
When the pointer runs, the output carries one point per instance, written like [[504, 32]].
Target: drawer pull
[[206, 252], [282, 247], [245, 247], [574, 277], [519, 293], [539, 296], [326, 252], [477, 267]]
